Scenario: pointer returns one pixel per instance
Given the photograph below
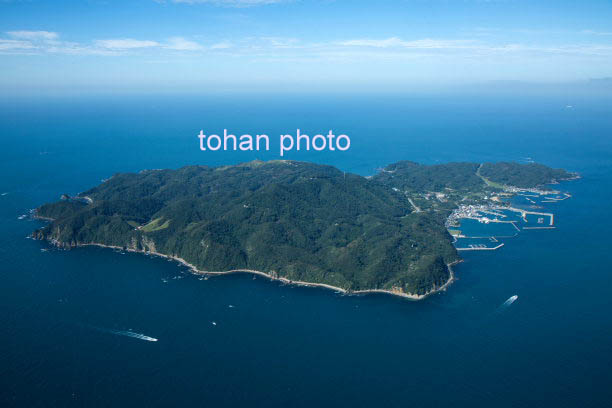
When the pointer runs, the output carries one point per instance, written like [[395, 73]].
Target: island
[[298, 222]]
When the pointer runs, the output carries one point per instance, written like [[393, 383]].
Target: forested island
[[295, 221]]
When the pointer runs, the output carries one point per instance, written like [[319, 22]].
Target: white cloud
[[389, 42], [593, 32], [221, 46], [278, 42], [426, 43], [45, 42], [15, 45], [28, 42], [231, 3], [290, 49], [34, 35], [125, 44], [181, 44]]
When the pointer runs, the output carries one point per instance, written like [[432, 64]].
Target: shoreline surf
[[193, 269]]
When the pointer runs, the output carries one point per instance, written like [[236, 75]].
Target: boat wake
[[129, 333], [508, 302], [126, 333], [501, 309]]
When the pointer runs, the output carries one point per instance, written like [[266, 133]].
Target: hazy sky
[[313, 43]]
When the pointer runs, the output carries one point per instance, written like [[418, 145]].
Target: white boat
[[510, 300], [139, 336]]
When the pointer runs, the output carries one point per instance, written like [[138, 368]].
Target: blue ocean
[[68, 318]]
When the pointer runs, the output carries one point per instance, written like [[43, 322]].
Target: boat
[[510, 300]]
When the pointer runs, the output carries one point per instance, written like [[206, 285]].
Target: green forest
[[296, 220], [527, 175]]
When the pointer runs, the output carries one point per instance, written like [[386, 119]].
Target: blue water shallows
[[71, 320]]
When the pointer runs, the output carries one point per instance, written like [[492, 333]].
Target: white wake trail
[[129, 333], [508, 302], [126, 333]]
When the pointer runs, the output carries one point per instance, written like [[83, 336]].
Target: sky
[[269, 44]]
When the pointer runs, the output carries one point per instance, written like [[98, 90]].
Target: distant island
[[297, 222]]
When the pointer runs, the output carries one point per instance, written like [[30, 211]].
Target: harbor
[[481, 227]]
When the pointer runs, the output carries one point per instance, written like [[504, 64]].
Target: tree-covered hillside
[[407, 175], [296, 220], [527, 175], [300, 221]]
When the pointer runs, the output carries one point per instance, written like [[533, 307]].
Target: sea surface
[[237, 341]]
